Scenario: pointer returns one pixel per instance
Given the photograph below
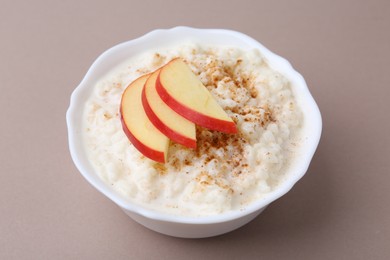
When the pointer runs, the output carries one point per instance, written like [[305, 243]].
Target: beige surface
[[339, 210]]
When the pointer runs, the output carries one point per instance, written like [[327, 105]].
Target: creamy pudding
[[226, 171]]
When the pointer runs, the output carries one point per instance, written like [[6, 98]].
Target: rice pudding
[[226, 171]]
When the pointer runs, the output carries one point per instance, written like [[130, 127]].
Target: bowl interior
[[164, 38]]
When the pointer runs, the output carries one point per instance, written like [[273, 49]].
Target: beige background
[[339, 210]]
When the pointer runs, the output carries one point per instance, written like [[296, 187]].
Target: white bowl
[[191, 227]]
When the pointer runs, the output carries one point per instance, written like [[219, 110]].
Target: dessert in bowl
[[225, 151]]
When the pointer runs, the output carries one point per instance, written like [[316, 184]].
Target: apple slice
[[137, 126], [182, 91], [170, 123]]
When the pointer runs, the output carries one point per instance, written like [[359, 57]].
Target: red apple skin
[[173, 135], [147, 151], [194, 116]]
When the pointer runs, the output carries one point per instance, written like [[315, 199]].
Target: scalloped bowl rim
[[275, 61]]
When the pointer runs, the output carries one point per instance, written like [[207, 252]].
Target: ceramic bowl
[[190, 227]]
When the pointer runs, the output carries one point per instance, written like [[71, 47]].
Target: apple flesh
[[184, 93], [170, 123], [137, 126]]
